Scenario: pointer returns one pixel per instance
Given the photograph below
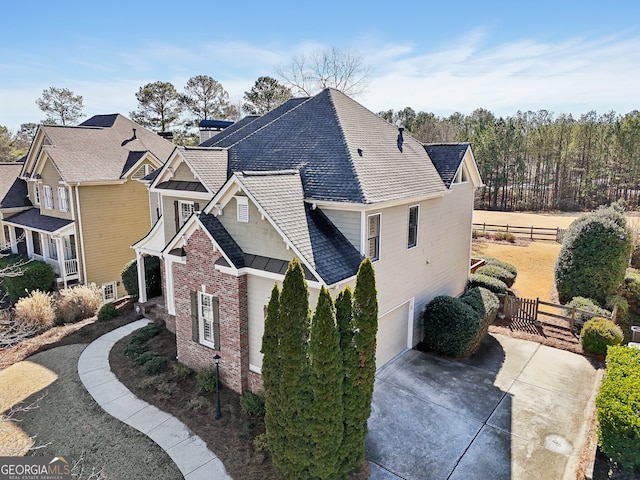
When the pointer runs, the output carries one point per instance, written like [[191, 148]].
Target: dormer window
[[243, 209]]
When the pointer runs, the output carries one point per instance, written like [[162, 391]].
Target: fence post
[[531, 232], [573, 319], [507, 228], [614, 314]]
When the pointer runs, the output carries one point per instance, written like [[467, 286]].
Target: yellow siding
[[51, 176], [113, 218]]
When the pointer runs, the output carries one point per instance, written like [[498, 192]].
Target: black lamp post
[[216, 358]]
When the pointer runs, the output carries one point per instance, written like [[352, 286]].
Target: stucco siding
[[113, 218], [348, 222]]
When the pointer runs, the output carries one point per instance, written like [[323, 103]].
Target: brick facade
[[231, 292]]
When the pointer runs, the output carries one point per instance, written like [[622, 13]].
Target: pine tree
[[327, 376], [349, 451], [365, 320], [271, 374], [295, 390]]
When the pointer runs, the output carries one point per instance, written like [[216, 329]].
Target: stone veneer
[[234, 324]]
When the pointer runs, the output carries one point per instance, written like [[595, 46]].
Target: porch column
[[61, 263], [142, 280], [13, 240]]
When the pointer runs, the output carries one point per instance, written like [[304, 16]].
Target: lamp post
[[216, 358]]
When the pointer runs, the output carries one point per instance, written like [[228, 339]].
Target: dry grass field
[[521, 219]]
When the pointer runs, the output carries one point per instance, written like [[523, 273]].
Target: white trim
[[379, 236], [47, 193], [181, 218], [181, 193], [63, 199], [374, 206], [36, 192], [106, 299], [411, 303], [410, 247], [242, 209], [80, 234], [254, 369], [269, 275], [169, 285]]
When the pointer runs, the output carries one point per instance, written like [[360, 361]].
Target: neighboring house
[[326, 181], [13, 199], [87, 205]]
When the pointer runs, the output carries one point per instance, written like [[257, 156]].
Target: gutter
[[81, 236]]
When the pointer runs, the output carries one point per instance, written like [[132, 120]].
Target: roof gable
[[13, 190], [207, 165]]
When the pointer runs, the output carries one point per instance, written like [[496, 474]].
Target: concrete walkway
[[514, 410], [188, 451]]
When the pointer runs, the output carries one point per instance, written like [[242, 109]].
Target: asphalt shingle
[[13, 191], [32, 219], [446, 157]]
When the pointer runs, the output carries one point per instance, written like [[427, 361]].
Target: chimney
[[166, 135], [210, 128]]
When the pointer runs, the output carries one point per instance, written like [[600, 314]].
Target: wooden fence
[[529, 311], [534, 233]]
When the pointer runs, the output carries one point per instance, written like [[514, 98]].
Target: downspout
[[81, 236]]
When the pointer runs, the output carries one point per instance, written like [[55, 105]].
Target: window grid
[[48, 197], [412, 238], [206, 319], [63, 202], [53, 248], [185, 209], [37, 246], [36, 194], [109, 292], [373, 237]]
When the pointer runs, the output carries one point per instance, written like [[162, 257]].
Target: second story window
[[48, 197], [63, 201], [412, 238], [373, 237], [36, 194], [185, 209]]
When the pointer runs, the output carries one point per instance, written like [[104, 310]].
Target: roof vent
[[360, 151], [133, 137], [400, 138]]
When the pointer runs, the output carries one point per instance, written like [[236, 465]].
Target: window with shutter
[[48, 197], [36, 194], [373, 237], [63, 201], [185, 209], [208, 319], [412, 238]]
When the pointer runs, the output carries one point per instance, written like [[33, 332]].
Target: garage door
[[392, 334]]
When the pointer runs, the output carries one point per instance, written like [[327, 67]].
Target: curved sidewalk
[[188, 451]]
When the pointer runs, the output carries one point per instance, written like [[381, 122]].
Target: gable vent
[[243, 209]]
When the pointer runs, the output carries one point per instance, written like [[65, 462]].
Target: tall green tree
[[265, 95], [295, 459], [365, 323], [159, 106], [61, 105], [5, 145], [327, 376], [206, 99]]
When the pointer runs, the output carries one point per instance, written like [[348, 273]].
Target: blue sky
[[440, 57]]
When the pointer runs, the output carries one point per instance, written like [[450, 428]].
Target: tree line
[[538, 161]]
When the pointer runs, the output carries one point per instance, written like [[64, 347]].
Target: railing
[[71, 266], [534, 233]]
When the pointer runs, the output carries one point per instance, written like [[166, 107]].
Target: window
[[48, 197], [36, 194], [412, 238], [243, 209], [373, 237], [185, 209], [142, 172], [63, 202], [53, 248], [207, 319], [37, 245], [109, 292]]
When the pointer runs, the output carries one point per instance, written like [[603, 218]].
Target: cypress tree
[[271, 370], [326, 382], [295, 390], [349, 451], [365, 321]]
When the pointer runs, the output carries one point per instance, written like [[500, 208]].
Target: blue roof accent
[[215, 124], [105, 121], [446, 157]]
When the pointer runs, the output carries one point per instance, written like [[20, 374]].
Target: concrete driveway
[[515, 410]]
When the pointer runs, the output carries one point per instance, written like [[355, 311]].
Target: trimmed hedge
[[455, 326], [490, 283], [498, 272], [500, 263], [582, 303], [36, 275], [598, 334], [618, 404]]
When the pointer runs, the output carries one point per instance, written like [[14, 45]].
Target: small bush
[[145, 357], [588, 305], [107, 312], [199, 403], [599, 333], [36, 311], [485, 281], [484, 302], [181, 372], [505, 237], [155, 365], [635, 257], [618, 404], [207, 380], [252, 404], [77, 303], [36, 275], [145, 333], [134, 349], [630, 289], [149, 383], [166, 389], [498, 272], [260, 443], [502, 264], [622, 314]]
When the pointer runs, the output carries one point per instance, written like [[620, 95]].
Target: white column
[[61, 264], [12, 239], [142, 279]]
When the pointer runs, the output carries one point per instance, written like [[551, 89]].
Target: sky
[[563, 56]]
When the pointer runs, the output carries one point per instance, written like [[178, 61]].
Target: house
[[81, 205], [321, 179], [13, 199]]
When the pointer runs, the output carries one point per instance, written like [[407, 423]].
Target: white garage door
[[392, 334]]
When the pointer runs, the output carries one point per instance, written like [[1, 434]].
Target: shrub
[[252, 404], [36, 275], [505, 237], [152, 275], [498, 272], [136, 344], [36, 311], [145, 357], [599, 333], [618, 404], [586, 304], [622, 314], [502, 264], [630, 289], [199, 403], [594, 256], [155, 365], [107, 312], [134, 349], [450, 326], [485, 281], [207, 380], [181, 372], [635, 257], [152, 382], [77, 303], [166, 389], [484, 302]]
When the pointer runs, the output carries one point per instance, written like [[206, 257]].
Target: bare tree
[[13, 445], [61, 105], [343, 70]]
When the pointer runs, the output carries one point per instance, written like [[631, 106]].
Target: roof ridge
[[268, 173]]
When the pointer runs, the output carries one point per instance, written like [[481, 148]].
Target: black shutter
[[196, 207], [176, 210], [216, 323], [195, 325]]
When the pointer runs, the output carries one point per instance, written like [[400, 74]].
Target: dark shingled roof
[[105, 121], [229, 130], [446, 157], [223, 239], [13, 191], [32, 219], [182, 185], [132, 159]]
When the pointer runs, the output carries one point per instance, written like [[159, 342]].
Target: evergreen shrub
[[490, 283], [598, 334], [588, 305], [36, 275], [252, 404], [498, 272], [206, 379], [107, 312]]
